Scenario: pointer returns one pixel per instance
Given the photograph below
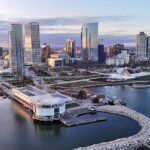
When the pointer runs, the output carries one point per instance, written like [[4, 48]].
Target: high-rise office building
[[109, 51], [142, 45], [89, 41], [70, 47], [1, 51], [148, 47], [16, 49], [46, 52], [32, 43], [117, 49], [114, 50], [78, 52], [101, 54]]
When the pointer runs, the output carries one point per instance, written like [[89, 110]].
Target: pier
[[77, 121], [142, 138], [71, 117]]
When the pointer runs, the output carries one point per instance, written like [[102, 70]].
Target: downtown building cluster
[[29, 51], [19, 53]]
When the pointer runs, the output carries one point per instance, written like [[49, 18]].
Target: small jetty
[[71, 118], [77, 121], [139, 86]]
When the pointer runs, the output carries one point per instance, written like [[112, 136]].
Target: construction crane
[[101, 40]]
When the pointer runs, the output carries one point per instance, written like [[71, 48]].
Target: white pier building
[[45, 106]]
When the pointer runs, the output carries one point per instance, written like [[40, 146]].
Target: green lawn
[[78, 84], [20, 83], [71, 105]]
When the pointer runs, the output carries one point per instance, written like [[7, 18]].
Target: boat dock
[[76, 121], [80, 111]]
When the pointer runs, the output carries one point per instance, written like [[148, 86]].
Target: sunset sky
[[119, 20]]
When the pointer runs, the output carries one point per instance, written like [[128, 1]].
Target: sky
[[119, 20]]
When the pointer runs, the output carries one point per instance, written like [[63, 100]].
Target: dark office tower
[[117, 49], [101, 54], [46, 52], [1, 51], [148, 48]]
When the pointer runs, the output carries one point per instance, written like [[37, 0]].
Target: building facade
[[44, 106], [148, 47], [1, 51], [16, 49], [32, 43], [89, 41], [120, 59], [55, 62], [70, 47], [142, 46], [117, 49], [46, 53], [101, 54]]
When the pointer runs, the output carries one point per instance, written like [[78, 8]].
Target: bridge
[[38, 81]]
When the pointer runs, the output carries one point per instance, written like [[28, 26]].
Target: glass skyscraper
[[16, 49], [142, 46], [89, 41], [32, 43]]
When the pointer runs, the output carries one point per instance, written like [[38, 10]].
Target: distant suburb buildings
[[89, 41], [16, 46], [32, 43]]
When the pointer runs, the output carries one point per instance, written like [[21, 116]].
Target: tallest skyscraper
[[32, 43], [89, 41], [16, 48]]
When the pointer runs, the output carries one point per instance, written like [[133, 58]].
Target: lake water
[[19, 132]]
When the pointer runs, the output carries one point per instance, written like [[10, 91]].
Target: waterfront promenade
[[142, 138]]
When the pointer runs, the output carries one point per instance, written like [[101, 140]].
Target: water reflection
[[18, 129], [47, 129]]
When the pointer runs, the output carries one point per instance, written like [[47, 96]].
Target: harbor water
[[19, 132]]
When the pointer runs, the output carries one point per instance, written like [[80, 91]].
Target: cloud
[[71, 26], [79, 20]]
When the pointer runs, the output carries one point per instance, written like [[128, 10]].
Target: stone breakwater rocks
[[142, 138]]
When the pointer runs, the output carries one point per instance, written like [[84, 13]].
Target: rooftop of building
[[40, 97]]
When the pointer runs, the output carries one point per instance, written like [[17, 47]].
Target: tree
[[82, 95]]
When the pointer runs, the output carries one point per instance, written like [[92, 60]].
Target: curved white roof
[[40, 97]]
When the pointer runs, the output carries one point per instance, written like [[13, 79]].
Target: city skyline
[[64, 19]]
